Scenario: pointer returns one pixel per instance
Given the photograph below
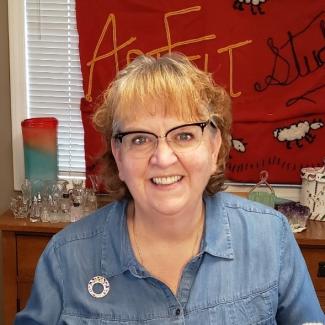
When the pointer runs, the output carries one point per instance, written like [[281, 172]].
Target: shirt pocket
[[73, 320], [67, 319], [254, 309]]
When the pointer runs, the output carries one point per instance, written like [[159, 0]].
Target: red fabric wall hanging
[[270, 57]]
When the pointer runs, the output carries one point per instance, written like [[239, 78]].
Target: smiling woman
[[171, 248]]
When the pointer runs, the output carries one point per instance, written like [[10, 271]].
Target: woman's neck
[[164, 244], [152, 225]]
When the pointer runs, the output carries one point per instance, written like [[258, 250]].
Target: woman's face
[[162, 180]]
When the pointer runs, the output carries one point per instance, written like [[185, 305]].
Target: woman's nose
[[163, 155]]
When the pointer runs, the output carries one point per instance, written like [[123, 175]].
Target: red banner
[[268, 54]]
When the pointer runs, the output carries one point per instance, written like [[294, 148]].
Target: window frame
[[18, 85]]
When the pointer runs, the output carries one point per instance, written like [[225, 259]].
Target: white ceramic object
[[312, 192]]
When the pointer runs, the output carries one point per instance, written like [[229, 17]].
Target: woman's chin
[[169, 206]]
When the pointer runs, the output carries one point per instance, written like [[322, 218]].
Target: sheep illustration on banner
[[297, 132], [255, 5]]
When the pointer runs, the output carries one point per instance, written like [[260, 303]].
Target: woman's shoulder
[[90, 226], [250, 211], [251, 224]]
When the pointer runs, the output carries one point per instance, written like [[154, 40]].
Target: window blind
[[54, 77]]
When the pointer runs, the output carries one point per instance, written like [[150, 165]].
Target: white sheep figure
[[297, 132], [254, 4], [239, 145]]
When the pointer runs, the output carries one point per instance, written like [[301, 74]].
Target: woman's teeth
[[166, 180]]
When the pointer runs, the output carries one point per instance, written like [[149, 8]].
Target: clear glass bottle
[[54, 209], [36, 208], [65, 206], [90, 201], [76, 212], [77, 191], [26, 191]]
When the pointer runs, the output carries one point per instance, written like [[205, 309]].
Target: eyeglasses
[[182, 138]]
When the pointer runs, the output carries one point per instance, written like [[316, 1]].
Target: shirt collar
[[117, 253], [114, 238], [218, 238]]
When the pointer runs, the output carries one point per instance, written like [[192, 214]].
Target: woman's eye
[[185, 137], [139, 140]]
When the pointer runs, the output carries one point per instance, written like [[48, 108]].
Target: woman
[[170, 249]]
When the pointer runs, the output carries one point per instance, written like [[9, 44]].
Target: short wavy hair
[[183, 90]]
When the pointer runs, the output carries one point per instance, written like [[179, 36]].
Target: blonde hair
[[181, 88]]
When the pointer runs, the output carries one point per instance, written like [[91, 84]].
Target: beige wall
[[6, 174]]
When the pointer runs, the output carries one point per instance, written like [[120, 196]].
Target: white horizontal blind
[[54, 76]]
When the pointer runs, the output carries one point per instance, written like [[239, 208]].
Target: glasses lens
[[181, 139], [139, 144], [185, 138]]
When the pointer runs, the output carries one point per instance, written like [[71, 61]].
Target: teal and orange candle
[[40, 148]]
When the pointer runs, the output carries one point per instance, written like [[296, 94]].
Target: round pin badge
[[98, 286]]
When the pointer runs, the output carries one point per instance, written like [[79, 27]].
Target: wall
[[6, 173]]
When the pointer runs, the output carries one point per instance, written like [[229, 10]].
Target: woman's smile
[[166, 180]]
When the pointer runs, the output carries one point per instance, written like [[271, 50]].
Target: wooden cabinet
[[32, 246], [23, 243], [312, 245]]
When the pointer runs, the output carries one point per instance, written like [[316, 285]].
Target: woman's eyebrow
[[134, 129], [143, 129]]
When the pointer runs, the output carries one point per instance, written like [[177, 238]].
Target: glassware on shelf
[[37, 186], [77, 191], [53, 208], [58, 201], [20, 202], [26, 192], [55, 202], [36, 208], [76, 212], [65, 206], [90, 201], [19, 208], [97, 183]]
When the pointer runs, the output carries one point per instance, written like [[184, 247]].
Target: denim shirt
[[249, 271]]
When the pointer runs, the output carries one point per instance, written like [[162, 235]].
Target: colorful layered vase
[[40, 148]]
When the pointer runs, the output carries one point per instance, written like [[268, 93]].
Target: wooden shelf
[[9, 223], [314, 235]]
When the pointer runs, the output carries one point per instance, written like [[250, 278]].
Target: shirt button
[[177, 312]]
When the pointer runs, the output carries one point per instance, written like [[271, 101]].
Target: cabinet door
[[29, 249], [314, 257]]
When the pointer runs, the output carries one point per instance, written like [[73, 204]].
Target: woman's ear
[[116, 151], [215, 145]]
